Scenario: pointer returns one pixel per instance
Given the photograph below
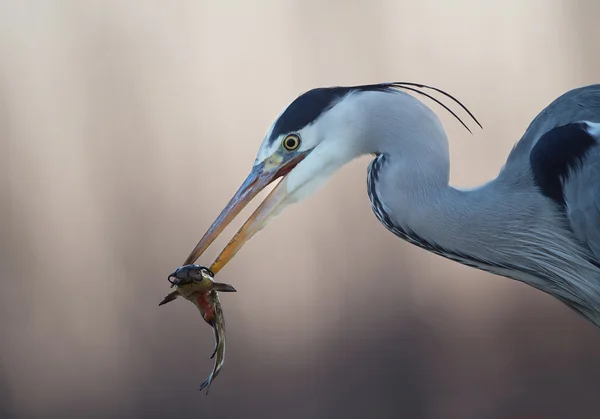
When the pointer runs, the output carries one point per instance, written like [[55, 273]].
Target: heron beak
[[273, 204], [261, 176]]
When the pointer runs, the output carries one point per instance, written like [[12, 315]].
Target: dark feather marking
[[556, 155], [309, 106], [306, 108]]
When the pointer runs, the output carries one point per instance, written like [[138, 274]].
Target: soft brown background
[[126, 126]]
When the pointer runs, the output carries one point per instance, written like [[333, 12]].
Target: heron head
[[304, 146], [315, 135]]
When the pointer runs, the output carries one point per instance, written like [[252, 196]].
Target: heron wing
[[563, 155], [565, 164], [582, 199]]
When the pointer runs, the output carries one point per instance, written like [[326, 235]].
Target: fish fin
[[221, 287], [172, 296]]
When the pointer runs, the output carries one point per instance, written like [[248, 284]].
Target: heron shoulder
[[558, 154], [579, 104]]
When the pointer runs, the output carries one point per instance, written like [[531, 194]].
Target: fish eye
[[291, 142]]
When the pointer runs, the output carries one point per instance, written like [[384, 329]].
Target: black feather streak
[[413, 238], [556, 155]]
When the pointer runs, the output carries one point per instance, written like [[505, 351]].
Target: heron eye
[[291, 142]]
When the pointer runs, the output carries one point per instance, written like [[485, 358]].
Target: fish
[[196, 283]]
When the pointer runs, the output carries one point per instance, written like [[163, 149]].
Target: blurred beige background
[[126, 126]]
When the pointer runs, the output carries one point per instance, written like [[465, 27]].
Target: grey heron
[[537, 222]]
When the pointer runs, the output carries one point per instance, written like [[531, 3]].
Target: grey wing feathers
[[582, 196], [580, 187]]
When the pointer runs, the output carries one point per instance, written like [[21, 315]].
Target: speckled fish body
[[212, 311], [195, 283]]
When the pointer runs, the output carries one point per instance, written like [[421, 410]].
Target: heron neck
[[503, 227], [421, 206]]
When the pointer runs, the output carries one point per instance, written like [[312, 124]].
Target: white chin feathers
[[313, 172]]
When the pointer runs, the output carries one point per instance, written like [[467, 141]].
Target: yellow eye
[[291, 142]]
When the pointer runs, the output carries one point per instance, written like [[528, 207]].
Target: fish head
[[191, 274], [193, 281]]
